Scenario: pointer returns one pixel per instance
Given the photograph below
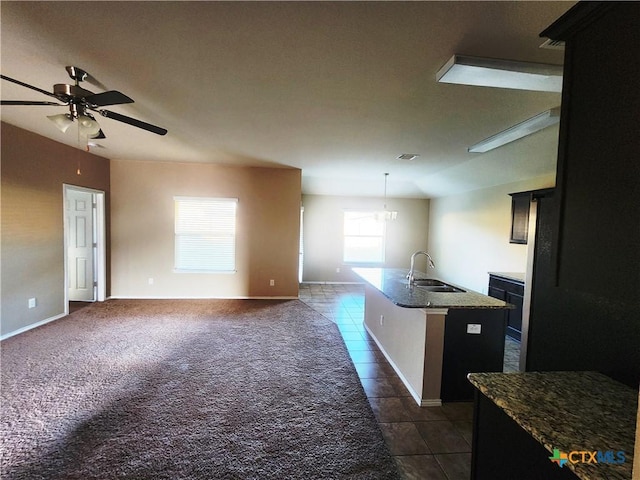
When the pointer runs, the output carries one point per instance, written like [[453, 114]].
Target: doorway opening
[[85, 246]]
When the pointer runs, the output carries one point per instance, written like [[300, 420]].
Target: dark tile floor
[[428, 443]]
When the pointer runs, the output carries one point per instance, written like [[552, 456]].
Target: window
[[205, 234], [363, 238]]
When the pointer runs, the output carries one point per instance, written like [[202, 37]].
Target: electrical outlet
[[272, 282], [474, 328], [338, 270], [33, 303], [150, 281]]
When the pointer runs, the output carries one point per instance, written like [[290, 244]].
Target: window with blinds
[[205, 234]]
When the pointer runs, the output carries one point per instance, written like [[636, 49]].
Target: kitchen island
[[433, 339], [552, 425]]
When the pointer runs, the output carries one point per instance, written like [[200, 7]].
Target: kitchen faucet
[[413, 259]]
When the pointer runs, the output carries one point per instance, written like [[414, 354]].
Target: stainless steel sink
[[441, 288], [429, 282], [433, 285]]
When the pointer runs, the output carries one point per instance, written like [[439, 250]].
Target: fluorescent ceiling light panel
[[522, 129], [491, 72]]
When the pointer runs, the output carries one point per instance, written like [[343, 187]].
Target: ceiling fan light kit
[[491, 72], [88, 126], [80, 101], [63, 121], [520, 130]]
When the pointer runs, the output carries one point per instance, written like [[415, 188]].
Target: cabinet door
[[498, 293], [464, 353], [520, 205], [514, 317], [502, 450]]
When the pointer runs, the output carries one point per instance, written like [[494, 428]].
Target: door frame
[[100, 253]]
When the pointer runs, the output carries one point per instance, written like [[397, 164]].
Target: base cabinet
[[466, 352], [502, 450], [511, 291]]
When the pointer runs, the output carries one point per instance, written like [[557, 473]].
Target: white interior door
[[81, 245]]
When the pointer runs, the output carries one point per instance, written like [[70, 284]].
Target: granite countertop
[[393, 284], [569, 411], [516, 276]]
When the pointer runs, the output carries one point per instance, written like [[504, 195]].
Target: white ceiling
[[337, 89]]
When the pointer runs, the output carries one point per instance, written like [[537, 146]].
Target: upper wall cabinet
[[520, 203], [597, 249], [520, 208]]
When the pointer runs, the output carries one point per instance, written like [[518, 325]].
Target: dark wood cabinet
[[598, 174], [502, 450], [511, 291], [520, 203], [586, 271], [586, 275], [465, 353]]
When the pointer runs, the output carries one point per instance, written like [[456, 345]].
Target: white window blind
[[205, 234], [363, 238]]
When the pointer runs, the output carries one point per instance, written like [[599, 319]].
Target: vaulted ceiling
[[337, 89]]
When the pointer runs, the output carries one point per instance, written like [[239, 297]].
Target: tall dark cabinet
[[585, 305], [585, 293]]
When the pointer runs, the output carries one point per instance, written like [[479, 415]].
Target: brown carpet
[[187, 389]]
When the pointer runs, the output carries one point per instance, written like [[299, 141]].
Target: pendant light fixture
[[386, 215]]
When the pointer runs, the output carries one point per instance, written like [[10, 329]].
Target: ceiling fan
[[80, 101]]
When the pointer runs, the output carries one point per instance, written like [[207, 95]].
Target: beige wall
[[469, 234], [323, 234], [33, 170], [142, 219]]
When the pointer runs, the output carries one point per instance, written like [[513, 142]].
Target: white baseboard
[[126, 297], [331, 283], [429, 402], [32, 326], [273, 298]]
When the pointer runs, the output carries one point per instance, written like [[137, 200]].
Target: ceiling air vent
[[408, 156], [553, 44]]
